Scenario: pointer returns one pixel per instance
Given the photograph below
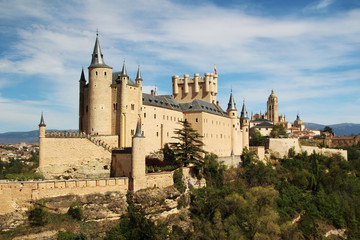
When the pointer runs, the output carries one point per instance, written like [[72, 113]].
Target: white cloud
[[293, 55]]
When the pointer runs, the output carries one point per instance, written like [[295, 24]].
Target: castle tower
[[100, 79], [139, 84], [42, 127], [187, 89], [138, 160], [124, 78], [232, 112], [273, 108], [82, 84], [244, 124]]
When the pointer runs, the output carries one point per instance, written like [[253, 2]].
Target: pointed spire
[[97, 57], [82, 78], [42, 123], [231, 104], [298, 117], [138, 75], [243, 111], [138, 130], [123, 72]]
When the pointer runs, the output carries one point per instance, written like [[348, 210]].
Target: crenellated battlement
[[187, 89]]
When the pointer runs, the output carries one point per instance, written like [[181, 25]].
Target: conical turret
[[123, 71], [138, 75], [97, 59], [42, 123], [243, 111], [82, 77], [138, 131], [231, 104]]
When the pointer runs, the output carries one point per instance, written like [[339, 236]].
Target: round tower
[[42, 127], [139, 84], [138, 160], [232, 112], [244, 124], [273, 108], [100, 79], [124, 78], [82, 84]]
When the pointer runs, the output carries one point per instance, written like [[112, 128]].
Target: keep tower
[[99, 95]]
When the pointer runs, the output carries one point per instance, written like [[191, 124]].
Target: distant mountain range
[[341, 129]]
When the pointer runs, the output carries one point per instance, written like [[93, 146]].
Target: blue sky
[[307, 51]]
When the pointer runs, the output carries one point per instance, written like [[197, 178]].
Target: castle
[[110, 106]]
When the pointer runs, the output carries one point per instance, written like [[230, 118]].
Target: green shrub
[[76, 211], [181, 202], [38, 216], [178, 181], [70, 236]]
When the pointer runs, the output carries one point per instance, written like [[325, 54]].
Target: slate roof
[[165, 101], [264, 125], [261, 120], [200, 105], [115, 76]]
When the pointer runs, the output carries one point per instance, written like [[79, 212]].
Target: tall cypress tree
[[188, 149]]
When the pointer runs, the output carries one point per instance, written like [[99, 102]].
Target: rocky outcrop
[[157, 203]]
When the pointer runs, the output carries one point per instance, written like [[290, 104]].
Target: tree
[[328, 129], [277, 131], [189, 147], [135, 226], [257, 139]]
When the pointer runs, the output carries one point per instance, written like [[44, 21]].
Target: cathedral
[[111, 104]]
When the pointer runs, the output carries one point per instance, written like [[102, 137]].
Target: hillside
[[17, 137], [341, 129]]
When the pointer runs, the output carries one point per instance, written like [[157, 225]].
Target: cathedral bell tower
[[273, 108]]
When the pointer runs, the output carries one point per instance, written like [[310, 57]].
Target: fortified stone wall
[[282, 146], [17, 195], [232, 161], [325, 151], [160, 180], [76, 155], [260, 151]]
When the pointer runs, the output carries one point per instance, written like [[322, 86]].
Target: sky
[[308, 52]]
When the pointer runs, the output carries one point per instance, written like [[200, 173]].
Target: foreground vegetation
[[302, 197]]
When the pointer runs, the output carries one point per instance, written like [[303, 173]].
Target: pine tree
[[188, 149]]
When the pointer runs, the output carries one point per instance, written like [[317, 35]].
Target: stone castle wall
[[282, 146], [17, 195]]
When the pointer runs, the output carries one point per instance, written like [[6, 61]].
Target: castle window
[[167, 134], [157, 134], [142, 133], [104, 73], [171, 118], [233, 114], [132, 106], [167, 117], [144, 115], [196, 120], [154, 116], [96, 73], [233, 125], [132, 132]]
